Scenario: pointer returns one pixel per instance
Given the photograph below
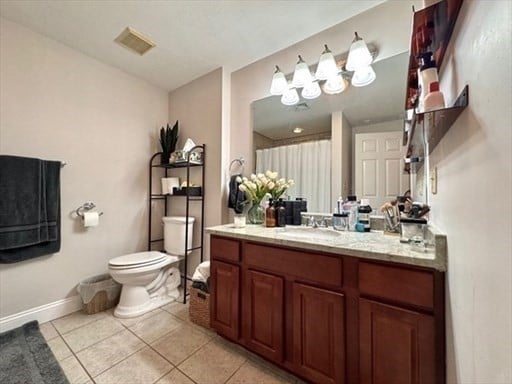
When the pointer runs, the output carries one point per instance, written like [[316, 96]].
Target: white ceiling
[[192, 37]]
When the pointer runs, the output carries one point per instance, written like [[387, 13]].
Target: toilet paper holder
[[86, 207]]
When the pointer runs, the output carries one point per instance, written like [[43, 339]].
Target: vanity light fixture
[[331, 77]]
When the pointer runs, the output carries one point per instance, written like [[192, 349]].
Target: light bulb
[[311, 90], [290, 96], [334, 85], [279, 83], [301, 76], [359, 55], [326, 65], [363, 76]]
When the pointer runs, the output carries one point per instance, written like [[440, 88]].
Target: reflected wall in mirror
[[336, 145]]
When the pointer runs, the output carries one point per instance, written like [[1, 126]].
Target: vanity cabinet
[[330, 318]]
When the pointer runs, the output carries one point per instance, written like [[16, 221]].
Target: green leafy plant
[[169, 139]]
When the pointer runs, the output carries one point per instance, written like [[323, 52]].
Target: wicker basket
[[99, 303], [199, 309]]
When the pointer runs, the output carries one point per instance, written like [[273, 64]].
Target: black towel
[[29, 208], [236, 197]]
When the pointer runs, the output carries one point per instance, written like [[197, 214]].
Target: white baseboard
[[43, 313]]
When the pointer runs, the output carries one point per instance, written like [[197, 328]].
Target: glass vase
[[256, 213]]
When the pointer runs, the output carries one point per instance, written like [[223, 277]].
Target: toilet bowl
[[144, 278]]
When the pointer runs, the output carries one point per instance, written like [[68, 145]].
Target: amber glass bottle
[[270, 214]]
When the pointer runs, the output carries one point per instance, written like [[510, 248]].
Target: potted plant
[[168, 140]]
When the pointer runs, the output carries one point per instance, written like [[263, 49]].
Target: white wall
[[56, 103], [198, 107], [474, 200]]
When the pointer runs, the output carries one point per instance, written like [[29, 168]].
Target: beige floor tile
[[103, 355], [178, 309], [48, 331], [155, 327], [91, 333], [252, 373], [59, 348], [180, 343], [134, 320], [144, 366], [181, 311], [75, 320], [175, 377], [212, 364], [74, 371]]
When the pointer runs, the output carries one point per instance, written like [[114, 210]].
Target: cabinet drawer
[[224, 249], [309, 266], [404, 285]]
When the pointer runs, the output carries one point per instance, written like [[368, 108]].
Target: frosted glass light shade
[[363, 77], [359, 55], [290, 97], [334, 85], [279, 83], [311, 90], [326, 65], [301, 76]]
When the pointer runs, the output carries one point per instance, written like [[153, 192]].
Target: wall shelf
[[431, 32]]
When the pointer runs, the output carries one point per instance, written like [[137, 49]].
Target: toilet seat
[[138, 260]]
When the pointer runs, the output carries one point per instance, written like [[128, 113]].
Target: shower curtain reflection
[[308, 164]]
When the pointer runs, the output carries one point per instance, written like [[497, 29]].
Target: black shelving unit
[[157, 171]]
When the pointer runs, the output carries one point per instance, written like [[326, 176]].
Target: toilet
[[149, 281], [145, 281]]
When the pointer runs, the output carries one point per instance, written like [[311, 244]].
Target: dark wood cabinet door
[[263, 314], [225, 279], [396, 345], [319, 334]]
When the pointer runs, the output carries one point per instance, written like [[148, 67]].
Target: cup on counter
[[239, 221]]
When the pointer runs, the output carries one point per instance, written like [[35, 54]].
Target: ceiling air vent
[[134, 41]]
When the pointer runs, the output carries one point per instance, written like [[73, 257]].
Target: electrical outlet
[[433, 181]]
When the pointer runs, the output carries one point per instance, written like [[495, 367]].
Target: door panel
[[379, 166], [396, 345], [263, 316], [225, 293], [318, 330]]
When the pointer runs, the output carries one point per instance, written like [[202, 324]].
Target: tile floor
[[161, 347]]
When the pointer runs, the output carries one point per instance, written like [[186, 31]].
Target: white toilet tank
[[174, 234]]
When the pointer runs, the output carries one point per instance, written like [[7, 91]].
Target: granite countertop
[[375, 245]]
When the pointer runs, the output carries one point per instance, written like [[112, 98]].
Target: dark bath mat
[[26, 358]]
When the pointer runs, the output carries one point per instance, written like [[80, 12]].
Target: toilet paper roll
[[91, 219]]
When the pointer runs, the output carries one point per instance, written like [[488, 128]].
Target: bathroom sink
[[310, 233]]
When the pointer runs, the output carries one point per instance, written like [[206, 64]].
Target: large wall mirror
[[335, 145]]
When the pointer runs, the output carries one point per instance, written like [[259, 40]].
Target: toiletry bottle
[[270, 214], [434, 99], [428, 74], [280, 214], [364, 211], [352, 218]]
